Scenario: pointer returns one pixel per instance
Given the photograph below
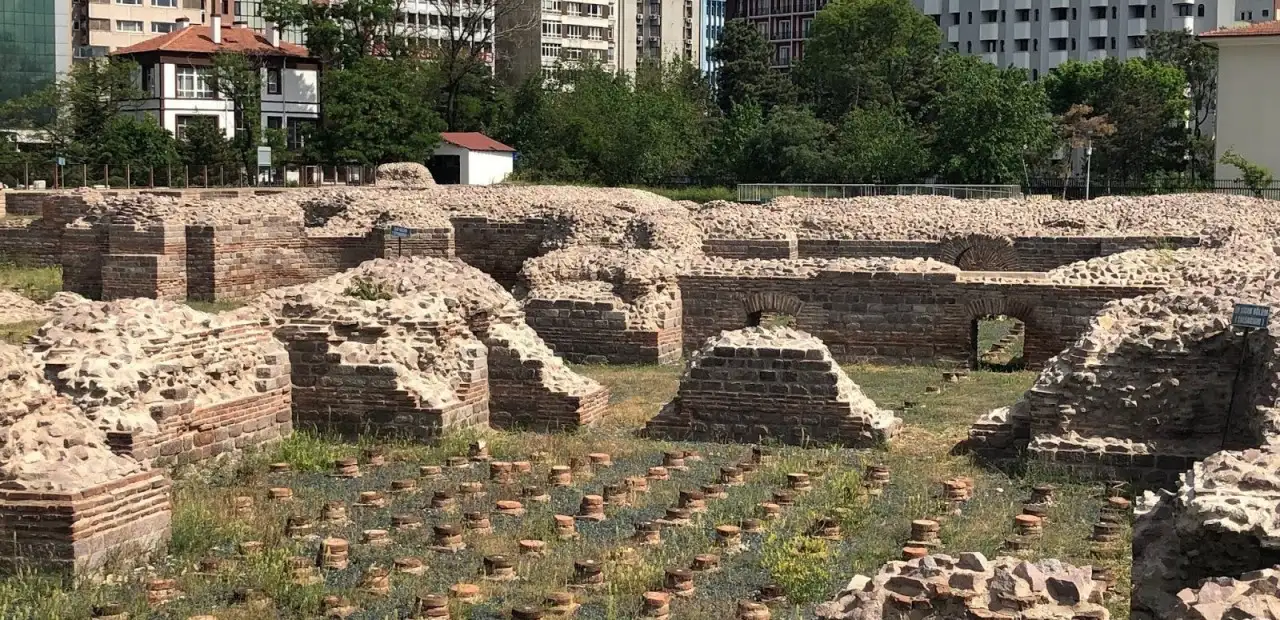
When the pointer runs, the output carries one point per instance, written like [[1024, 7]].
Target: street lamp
[[1088, 167]]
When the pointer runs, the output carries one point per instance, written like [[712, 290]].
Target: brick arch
[[979, 252], [756, 305], [977, 308]]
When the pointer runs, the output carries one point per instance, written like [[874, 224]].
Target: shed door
[[446, 169]]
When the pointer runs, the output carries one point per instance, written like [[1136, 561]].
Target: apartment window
[[184, 122], [99, 24], [1250, 13], [193, 83], [572, 31], [595, 33], [130, 2], [955, 46], [968, 47], [1021, 45], [990, 17], [1073, 14], [149, 79], [807, 25], [1022, 15], [784, 55], [1058, 14], [1138, 42], [128, 25], [1113, 42], [591, 10], [1037, 14], [572, 53], [1184, 10], [275, 122], [1073, 44], [167, 4], [162, 27], [1200, 11], [988, 46], [1035, 45], [970, 17], [550, 50], [1265, 13], [1002, 46], [955, 19], [273, 81], [1058, 44], [1113, 12], [1137, 11], [1153, 12], [1035, 74], [551, 5], [551, 29], [296, 132], [1098, 12], [1002, 15], [1097, 43]]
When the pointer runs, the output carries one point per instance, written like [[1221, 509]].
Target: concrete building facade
[[174, 71], [713, 12], [104, 26], [1036, 35], [1248, 63], [542, 35], [35, 45], [662, 30]]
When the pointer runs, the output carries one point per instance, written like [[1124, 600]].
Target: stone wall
[[496, 247], [80, 531], [758, 385], [598, 331], [896, 317]]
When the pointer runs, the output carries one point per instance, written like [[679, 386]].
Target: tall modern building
[[661, 29], [1036, 35], [712, 28], [540, 36], [103, 26], [35, 44]]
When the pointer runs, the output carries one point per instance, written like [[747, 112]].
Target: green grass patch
[[38, 283], [17, 333]]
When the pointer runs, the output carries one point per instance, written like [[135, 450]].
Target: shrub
[[1255, 177], [800, 564], [368, 290]]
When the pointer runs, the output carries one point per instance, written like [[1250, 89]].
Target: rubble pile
[[785, 386], [970, 586], [45, 445], [812, 267], [405, 174], [116, 360], [15, 308], [353, 212], [1222, 524]]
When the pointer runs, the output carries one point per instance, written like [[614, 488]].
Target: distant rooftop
[[199, 40]]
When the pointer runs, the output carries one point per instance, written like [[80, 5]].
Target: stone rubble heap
[[115, 360], [15, 308], [1255, 595], [786, 387], [935, 217], [45, 444], [942, 587], [407, 174]]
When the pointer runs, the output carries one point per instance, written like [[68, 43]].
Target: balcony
[[1098, 28], [932, 7], [1021, 60], [989, 32], [1021, 4], [1137, 26], [1053, 59], [991, 58], [1022, 30], [953, 34], [1092, 55], [990, 5], [1058, 4], [1058, 30]]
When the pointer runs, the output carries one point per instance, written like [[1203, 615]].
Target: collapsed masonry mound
[[418, 346], [45, 445], [1147, 389], [941, 587], [1222, 522], [1240, 259], [812, 267], [1256, 595], [15, 308], [758, 383], [405, 174], [595, 304], [354, 212], [936, 218]]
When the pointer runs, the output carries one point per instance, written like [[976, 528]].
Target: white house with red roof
[[175, 69], [1248, 94], [471, 158]]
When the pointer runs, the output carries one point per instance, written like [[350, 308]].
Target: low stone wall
[[599, 332], [23, 203], [80, 531], [897, 317], [498, 248], [757, 385], [524, 391]]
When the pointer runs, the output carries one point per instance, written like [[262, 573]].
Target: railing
[[764, 192], [73, 175], [1074, 188]]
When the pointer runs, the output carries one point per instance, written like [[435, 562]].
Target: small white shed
[[470, 158]]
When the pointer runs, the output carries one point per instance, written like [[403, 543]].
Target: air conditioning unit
[[653, 39], [639, 17], [655, 18]]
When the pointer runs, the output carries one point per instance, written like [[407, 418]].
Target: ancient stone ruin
[[418, 346], [762, 384], [66, 499], [970, 586]]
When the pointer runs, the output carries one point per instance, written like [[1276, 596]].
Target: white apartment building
[[441, 22], [662, 30], [174, 71], [1038, 35], [540, 36], [103, 26]]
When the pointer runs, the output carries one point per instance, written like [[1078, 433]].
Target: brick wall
[[145, 260], [498, 248], [898, 318], [23, 202], [525, 384], [752, 248], [81, 530], [598, 332], [434, 242]]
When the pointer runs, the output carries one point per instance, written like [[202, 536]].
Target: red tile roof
[[1260, 29], [199, 40], [474, 141]]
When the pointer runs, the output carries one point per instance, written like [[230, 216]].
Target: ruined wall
[[891, 316], [498, 248], [771, 384]]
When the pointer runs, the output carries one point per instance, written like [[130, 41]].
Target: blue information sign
[[400, 232], [1250, 316]]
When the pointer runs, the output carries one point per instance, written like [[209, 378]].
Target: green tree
[[726, 160], [792, 146], [203, 143], [987, 121], [341, 33], [137, 142], [881, 145], [374, 113], [745, 74], [238, 78], [864, 52], [1254, 176], [1144, 100], [1199, 63]]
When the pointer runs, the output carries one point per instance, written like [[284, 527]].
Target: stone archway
[[979, 252], [997, 307], [771, 308]]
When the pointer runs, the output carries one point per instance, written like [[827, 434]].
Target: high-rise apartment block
[[539, 36], [35, 44], [1036, 35], [103, 26], [662, 30], [713, 12]]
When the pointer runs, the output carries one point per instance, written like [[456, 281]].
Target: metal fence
[[764, 192], [55, 176], [1074, 189]]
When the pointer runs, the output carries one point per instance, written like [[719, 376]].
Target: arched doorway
[[978, 252], [997, 342], [771, 310]]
